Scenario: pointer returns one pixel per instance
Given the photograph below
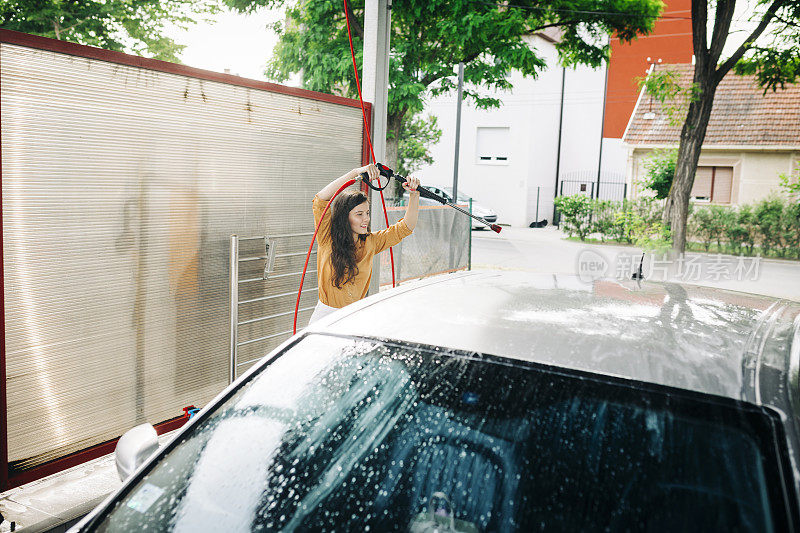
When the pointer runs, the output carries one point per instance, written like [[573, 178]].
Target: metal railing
[[269, 258]]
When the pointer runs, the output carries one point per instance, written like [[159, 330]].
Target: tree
[[123, 25], [660, 168], [416, 135], [430, 37], [771, 51], [790, 183]]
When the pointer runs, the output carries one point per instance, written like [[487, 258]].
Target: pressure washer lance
[[425, 193]]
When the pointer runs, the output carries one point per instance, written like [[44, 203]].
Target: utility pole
[[602, 132], [558, 150], [375, 89], [459, 97]]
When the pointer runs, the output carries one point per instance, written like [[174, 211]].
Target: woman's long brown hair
[[343, 254]]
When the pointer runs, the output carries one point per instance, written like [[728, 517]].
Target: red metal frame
[[42, 43], [90, 52]]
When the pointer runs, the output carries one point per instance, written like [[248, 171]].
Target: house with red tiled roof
[[752, 138]]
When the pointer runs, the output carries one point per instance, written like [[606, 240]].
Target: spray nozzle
[[425, 193]]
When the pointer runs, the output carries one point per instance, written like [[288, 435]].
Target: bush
[[790, 183], [790, 228], [735, 231], [701, 226], [660, 171], [721, 219], [770, 227], [649, 209], [768, 219], [604, 218], [746, 219], [575, 211], [644, 233]]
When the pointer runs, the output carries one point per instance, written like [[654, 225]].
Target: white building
[[508, 156]]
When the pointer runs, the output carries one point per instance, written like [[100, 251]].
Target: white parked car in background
[[486, 213]]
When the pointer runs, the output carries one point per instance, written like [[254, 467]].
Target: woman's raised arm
[[330, 189], [412, 210]]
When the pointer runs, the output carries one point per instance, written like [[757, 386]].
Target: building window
[[493, 145], [713, 184]]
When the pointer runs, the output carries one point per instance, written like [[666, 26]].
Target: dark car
[[497, 401]]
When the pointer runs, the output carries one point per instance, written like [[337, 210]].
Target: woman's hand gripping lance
[[425, 193]]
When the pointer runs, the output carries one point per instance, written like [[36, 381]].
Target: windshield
[[461, 196], [352, 435]]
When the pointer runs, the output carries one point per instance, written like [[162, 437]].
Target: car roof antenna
[[638, 275]]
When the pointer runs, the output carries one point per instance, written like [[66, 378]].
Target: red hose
[[308, 255], [343, 187], [366, 129]]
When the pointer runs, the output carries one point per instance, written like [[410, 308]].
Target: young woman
[[345, 246]]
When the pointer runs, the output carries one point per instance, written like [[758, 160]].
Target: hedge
[[770, 227]]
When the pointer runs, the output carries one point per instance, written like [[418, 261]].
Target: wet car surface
[[556, 405]]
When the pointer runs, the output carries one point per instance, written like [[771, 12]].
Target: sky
[[235, 41]]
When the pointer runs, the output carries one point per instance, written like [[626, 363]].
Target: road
[[545, 250]]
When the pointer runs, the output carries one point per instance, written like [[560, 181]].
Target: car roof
[[707, 340]]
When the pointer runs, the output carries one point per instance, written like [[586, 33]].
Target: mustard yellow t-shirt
[[375, 243]]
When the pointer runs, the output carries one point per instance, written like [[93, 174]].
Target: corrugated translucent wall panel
[[440, 243], [121, 187]]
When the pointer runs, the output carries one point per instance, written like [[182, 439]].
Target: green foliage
[[736, 223], [124, 25], [641, 229], [790, 229], [660, 168], [778, 65], [768, 218], [648, 209], [416, 135], [722, 218], [702, 227], [746, 219], [664, 86], [791, 183], [430, 37], [633, 222], [770, 227], [604, 219], [575, 211]]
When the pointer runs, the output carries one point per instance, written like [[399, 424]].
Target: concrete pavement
[[546, 250]]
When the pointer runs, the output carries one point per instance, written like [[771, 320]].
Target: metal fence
[[611, 186], [441, 243], [264, 276]]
